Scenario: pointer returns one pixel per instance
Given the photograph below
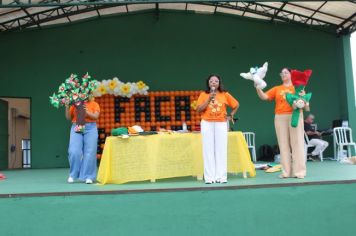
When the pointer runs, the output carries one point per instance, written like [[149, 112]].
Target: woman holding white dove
[[290, 139]]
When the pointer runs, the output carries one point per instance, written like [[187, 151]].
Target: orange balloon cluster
[[157, 110]]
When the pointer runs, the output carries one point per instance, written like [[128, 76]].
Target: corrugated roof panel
[[140, 7], [201, 8], [333, 12], [252, 15], [113, 10], [172, 6], [272, 4], [328, 18], [311, 5], [33, 10], [228, 11], [12, 16], [342, 9], [297, 9], [5, 10], [83, 16], [54, 22]]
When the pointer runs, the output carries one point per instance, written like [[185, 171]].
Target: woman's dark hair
[[221, 86], [288, 69]]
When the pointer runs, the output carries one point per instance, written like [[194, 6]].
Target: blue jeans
[[82, 152]]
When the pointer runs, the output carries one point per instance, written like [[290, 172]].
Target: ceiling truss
[[51, 10]]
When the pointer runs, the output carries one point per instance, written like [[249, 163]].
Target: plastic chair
[[250, 140], [308, 145], [343, 138]]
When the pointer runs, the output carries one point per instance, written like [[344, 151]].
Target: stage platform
[[40, 202], [52, 182]]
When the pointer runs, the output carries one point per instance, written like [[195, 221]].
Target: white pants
[[320, 146], [214, 136]]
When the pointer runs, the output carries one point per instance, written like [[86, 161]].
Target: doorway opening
[[15, 133]]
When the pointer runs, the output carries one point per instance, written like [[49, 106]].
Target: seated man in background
[[314, 136]]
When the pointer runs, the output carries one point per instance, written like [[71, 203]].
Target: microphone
[[212, 90]]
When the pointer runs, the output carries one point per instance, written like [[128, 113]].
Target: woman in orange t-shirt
[[212, 106], [290, 140], [83, 145]]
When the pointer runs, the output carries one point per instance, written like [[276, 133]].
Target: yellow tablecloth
[[152, 157]]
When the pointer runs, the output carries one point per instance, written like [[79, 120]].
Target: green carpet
[[54, 180], [305, 210]]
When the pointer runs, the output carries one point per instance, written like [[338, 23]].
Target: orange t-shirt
[[92, 107], [278, 94], [216, 111]]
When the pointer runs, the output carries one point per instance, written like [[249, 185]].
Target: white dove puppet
[[257, 75]]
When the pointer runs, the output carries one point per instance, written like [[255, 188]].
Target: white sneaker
[[70, 180], [88, 181]]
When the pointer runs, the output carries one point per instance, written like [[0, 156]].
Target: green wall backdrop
[[173, 52], [349, 80]]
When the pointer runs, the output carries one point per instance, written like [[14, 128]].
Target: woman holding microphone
[[212, 106]]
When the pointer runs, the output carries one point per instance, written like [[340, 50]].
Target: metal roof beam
[[50, 15], [278, 11], [46, 3], [349, 29], [317, 10], [286, 16], [274, 13], [309, 9], [268, 9]]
